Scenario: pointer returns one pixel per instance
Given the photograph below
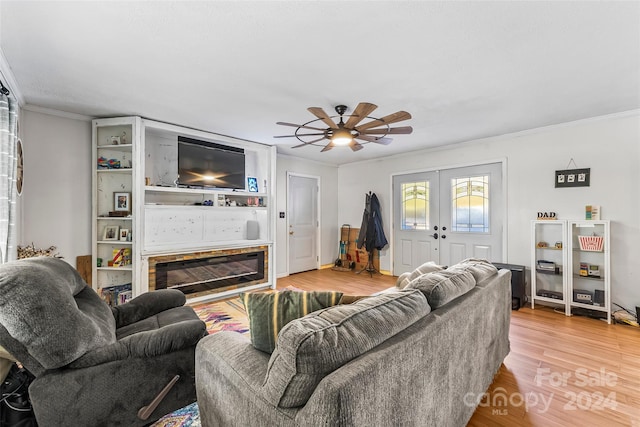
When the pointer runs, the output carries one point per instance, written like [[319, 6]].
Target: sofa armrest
[[233, 352], [146, 305], [147, 344], [229, 377]]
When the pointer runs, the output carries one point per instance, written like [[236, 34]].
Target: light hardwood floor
[[561, 371]]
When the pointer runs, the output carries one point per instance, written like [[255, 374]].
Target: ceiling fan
[[346, 134]]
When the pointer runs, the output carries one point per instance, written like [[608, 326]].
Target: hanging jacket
[[362, 235], [375, 232], [371, 232]]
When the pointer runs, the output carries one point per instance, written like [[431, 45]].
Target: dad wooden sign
[[547, 215]]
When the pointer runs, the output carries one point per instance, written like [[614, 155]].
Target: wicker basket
[[591, 243]]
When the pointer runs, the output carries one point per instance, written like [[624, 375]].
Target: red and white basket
[[591, 243]]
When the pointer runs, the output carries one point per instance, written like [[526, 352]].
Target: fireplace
[[209, 272]]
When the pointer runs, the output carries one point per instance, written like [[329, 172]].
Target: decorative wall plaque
[[573, 178]]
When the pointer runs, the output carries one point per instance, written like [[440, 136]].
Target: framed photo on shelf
[[111, 232], [124, 234], [122, 202], [253, 184]]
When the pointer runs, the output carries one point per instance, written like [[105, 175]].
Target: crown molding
[[9, 79], [58, 113], [512, 135]]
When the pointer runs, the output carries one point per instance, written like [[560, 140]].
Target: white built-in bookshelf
[[142, 162]]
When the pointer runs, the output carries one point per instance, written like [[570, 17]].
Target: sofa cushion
[[480, 268], [405, 278], [440, 287], [310, 348], [268, 313]]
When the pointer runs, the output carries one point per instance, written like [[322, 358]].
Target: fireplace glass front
[[205, 274]]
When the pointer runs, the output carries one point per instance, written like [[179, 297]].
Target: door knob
[[435, 235], [444, 236], [291, 232], [435, 228]]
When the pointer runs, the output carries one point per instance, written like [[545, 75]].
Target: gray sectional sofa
[[422, 355]]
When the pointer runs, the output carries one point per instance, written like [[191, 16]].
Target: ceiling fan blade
[[355, 146], [383, 141], [328, 147], [360, 113], [302, 134], [319, 113], [386, 120], [405, 130], [298, 126], [307, 143]]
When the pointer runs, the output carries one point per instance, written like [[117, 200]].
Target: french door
[[447, 215]]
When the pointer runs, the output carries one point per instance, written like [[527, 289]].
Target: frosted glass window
[[415, 206], [470, 204]]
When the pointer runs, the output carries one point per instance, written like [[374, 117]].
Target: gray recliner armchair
[[95, 365]]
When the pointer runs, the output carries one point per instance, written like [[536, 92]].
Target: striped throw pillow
[[269, 312]]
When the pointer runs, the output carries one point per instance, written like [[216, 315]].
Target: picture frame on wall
[[111, 232], [573, 178], [122, 202]]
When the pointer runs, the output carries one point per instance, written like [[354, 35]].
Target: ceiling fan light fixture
[[352, 133], [341, 137]]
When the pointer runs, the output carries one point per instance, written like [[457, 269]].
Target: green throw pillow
[[269, 312]]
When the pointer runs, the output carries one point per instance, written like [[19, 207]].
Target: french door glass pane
[[415, 206], [470, 204]]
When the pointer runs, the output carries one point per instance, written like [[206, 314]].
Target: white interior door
[[448, 215], [302, 206], [415, 215]]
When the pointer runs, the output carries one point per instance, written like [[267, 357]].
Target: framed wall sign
[[573, 178]]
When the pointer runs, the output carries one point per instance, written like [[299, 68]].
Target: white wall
[[610, 146], [56, 197], [329, 236], [56, 201]]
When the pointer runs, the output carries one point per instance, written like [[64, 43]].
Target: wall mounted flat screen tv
[[207, 164]]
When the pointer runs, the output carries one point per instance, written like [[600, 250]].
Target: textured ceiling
[[464, 70]]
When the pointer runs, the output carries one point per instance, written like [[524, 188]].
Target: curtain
[[8, 192]]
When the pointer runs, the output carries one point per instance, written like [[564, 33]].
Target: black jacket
[[371, 232]]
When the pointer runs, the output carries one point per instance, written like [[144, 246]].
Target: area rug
[[226, 315], [189, 416]]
